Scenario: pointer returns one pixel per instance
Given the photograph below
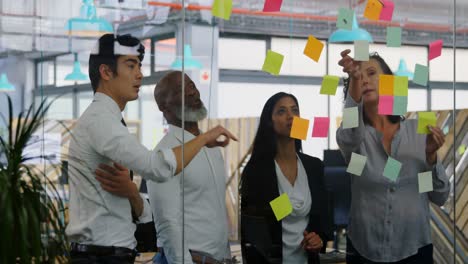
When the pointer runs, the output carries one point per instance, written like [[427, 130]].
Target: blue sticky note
[[345, 19], [393, 37], [356, 164], [421, 74], [425, 182], [400, 105], [392, 169]]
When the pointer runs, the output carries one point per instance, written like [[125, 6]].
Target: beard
[[191, 115]]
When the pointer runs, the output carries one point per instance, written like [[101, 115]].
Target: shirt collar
[[177, 131], [109, 103]]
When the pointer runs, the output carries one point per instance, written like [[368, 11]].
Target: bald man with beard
[[206, 224]]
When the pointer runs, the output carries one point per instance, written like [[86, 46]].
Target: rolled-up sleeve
[[121, 146], [440, 184]]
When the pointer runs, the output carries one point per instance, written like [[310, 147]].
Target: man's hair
[[161, 90], [105, 55]]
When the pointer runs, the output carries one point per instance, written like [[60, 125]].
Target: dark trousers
[[424, 256]]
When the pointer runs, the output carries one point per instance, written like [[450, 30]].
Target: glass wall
[[215, 202]]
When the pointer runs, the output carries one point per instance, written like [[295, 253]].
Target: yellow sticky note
[[373, 10], [273, 62], [462, 149], [281, 206], [299, 128], [425, 119], [313, 48], [222, 9], [329, 84], [386, 84]]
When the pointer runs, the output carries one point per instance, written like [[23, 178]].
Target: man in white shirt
[[101, 227], [205, 225]]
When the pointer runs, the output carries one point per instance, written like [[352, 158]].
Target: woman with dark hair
[[278, 166], [389, 219]]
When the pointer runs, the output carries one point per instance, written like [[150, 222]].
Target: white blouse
[[293, 225]]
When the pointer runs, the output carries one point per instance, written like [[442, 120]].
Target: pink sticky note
[[435, 49], [385, 105], [387, 10], [272, 5], [321, 125]]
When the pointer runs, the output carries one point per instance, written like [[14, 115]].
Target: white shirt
[[96, 216], [206, 224], [293, 225]]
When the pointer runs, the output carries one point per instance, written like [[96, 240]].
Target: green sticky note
[[356, 164], [273, 62], [222, 9], [445, 130], [425, 119], [281, 206], [350, 117], [400, 85], [461, 149], [361, 50], [345, 19], [400, 105], [425, 182], [393, 37], [329, 84], [421, 74], [392, 169]]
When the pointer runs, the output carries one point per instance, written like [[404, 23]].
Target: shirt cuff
[[349, 102], [170, 159], [147, 215]]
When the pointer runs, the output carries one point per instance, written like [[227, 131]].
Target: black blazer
[[261, 233]]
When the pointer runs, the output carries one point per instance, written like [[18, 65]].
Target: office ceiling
[[31, 26]]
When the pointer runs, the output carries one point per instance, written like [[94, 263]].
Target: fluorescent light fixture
[[357, 33], [189, 61], [403, 70], [76, 74], [5, 85]]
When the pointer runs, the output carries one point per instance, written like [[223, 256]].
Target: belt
[[102, 250]]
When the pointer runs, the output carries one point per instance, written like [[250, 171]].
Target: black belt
[[102, 250]]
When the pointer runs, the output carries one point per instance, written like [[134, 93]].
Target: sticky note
[[400, 85], [321, 125], [350, 117], [281, 206], [421, 74], [373, 10], [313, 48], [393, 37], [299, 128], [385, 105], [445, 130], [272, 5], [400, 105], [392, 169], [329, 84], [387, 10], [435, 49], [361, 50], [356, 164], [273, 62], [386, 84], [222, 9], [425, 182], [425, 119], [345, 19], [461, 149]]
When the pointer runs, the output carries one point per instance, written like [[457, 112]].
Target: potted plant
[[31, 227]]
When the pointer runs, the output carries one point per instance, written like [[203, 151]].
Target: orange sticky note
[[281, 206], [313, 48], [299, 128], [386, 84], [373, 10]]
